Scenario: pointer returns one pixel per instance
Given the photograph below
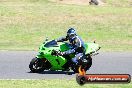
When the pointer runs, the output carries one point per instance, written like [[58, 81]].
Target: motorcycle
[[48, 58]]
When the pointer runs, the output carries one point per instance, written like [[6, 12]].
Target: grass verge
[[55, 83]]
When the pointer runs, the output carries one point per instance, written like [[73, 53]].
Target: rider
[[77, 45]]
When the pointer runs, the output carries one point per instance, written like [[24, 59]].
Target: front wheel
[[36, 65]]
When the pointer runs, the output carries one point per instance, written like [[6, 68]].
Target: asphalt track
[[14, 65]]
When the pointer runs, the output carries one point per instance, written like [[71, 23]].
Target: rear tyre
[[36, 65], [85, 65], [88, 64], [75, 69]]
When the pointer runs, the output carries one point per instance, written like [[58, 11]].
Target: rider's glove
[[56, 40]]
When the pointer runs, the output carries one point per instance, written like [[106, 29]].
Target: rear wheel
[[36, 65], [85, 65], [75, 69], [88, 64]]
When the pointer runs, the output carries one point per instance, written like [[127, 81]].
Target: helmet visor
[[70, 35]]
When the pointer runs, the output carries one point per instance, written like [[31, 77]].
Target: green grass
[[55, 83], [24, 24], [123, 3]]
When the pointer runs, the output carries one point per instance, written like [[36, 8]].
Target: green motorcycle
[[48, 58]]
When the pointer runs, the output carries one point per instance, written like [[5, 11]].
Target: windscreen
[[50, 43]]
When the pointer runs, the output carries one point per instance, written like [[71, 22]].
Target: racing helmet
[[71, 33]]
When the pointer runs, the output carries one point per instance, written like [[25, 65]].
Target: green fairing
[[45, 52]]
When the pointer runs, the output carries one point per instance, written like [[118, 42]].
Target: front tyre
[[36, 65]]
